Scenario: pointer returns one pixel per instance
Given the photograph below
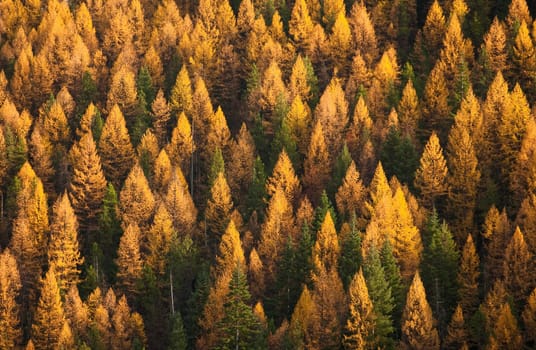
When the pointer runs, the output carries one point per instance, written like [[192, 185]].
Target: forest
[[267, 174]]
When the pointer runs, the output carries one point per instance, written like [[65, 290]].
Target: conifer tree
[[496, 234], [436, 111], [456, 331], [301, 25], [49, 316], [506, 334], [468, 275], [359, 330], [137, 202], [10, 285], [363, 32], [439, 269], [283, 176], [304, 326], [63, 250], [493, 52], [518, 270], [431, 176], [350, 259], [380, 294], [239, 327], [418, 323], [316, 169], [529, 318], [409, 112], [181, 145], [161, 115], [115, 149], [242, 163], [180, 204], [88, 185], [218, 210], [129, 262], [298, 121]]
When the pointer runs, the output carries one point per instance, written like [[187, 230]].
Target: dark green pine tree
[[152, 308], [239, 328], [392, 275], [96, 126], [398, 157], [256, 193], [144, 82], [382, 298], [184, 263], [351, 259], [110, 230], [339, 170], [196, 303], [283, 140], [287, 285], [86, 96], [439, 270], [303, 257], [321, 211], [217, 165], [177, 334], [16, 150]]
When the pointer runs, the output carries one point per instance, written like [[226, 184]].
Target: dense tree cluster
[[267, 174]]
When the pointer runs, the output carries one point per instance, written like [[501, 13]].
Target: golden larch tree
[[316, 165], [409, 112], [518, 268], [136, 201], [523, 52], [350, 196], [129, 261], [332, 113], [218, 210], [506, 334], [161, 115], [359, 330], [10, 286], [159, 239], [162, 171], [436, 110], [326, 250], [124, 94], [456, 331], [88, 184], [298, 120], [301, 25], [364, 34], [496, 234], [468, 275], [529, 318], [283, 176], [181, 146], [115, 148], [49, 315], [242, 151], [431, 176], [418, 324], [181, 98], [63, 248], [304, 326], [180, 204]]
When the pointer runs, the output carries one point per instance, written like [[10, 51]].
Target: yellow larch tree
[[326, 250], [511, 130], [10, 286], [153, 63], [63, 247], [115, 148], [88, 184], [463, 180], [468, 275], [129, 261], [161, 116], [180, 204], [518, 12], [298, 120], [316, 164], [350, 196], [242, 151], [284, 177], [49, 315], [496, 235], [162, 171], [55, 125], [493, 52], [181, 98], [218, 135], [360, 130], [431, 176], [332, 113], [278, 225], [456, 331], [359, 79], [304, 325], [491, 306], [136, 201], [518, 268], [523, 51], [359, 330], [409, 112], [298, 84], [159, 239], [529, 317], [363, 32], [523, 177], [230, 254], [506, 334], [218, 210], [76, 312], [181, 146], [341, 41], [418, 324], [436, 110], [41, 156], [147, 152], [301, 25], [256, 275], [124, 94]]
